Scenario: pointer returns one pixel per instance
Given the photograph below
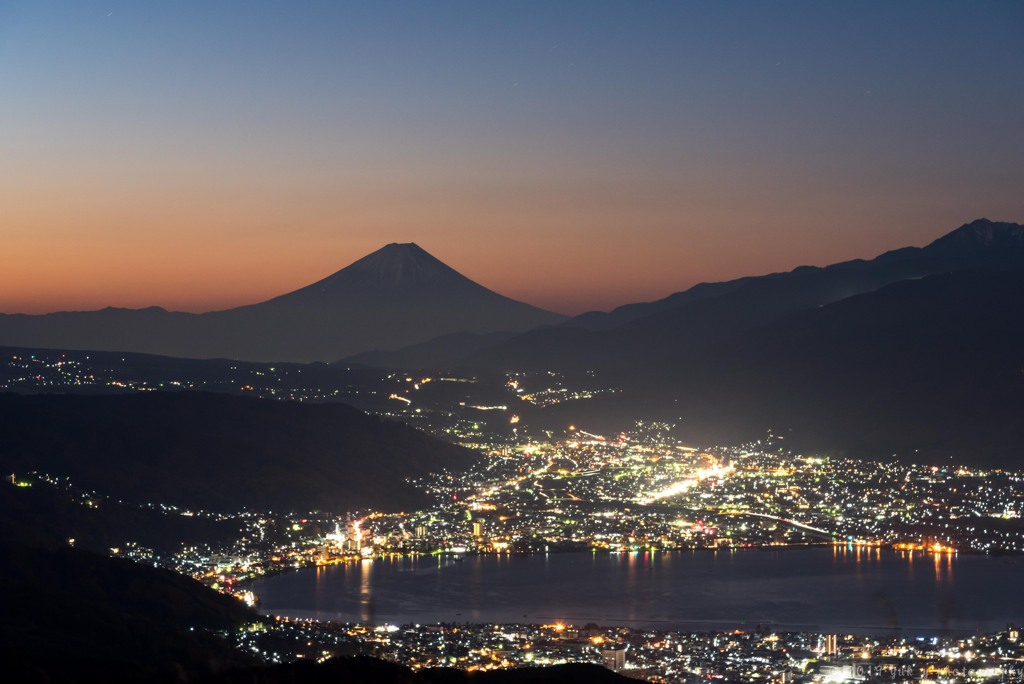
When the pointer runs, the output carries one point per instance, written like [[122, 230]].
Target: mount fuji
[[397, 296]]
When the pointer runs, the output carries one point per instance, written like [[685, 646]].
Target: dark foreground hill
[[74, 616], [70, 616], [222, 452], [364, 670]]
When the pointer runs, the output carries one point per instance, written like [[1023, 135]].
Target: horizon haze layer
[[377, 259]]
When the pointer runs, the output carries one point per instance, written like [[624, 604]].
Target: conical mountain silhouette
[[396, 296], [404, 269]]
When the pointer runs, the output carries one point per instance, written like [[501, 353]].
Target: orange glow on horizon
[[197, 251]]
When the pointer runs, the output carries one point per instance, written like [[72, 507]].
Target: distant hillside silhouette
[[394, 297], [222, 452], [979, 244], [44, 515]]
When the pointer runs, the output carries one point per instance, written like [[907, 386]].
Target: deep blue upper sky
[[575, 154]]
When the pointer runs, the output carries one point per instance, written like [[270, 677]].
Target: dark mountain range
[[916, 352], [397, 296], [222, 452], [706, 314], [922, 368], [979, 244], [926, 369]]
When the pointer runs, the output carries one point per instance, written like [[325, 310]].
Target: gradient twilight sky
[[575, 155]]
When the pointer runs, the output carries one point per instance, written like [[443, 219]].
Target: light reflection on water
[[844, 588]]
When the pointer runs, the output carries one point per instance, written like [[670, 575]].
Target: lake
[[825, 589]]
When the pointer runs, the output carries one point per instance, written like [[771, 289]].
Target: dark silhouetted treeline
[[365, 670]]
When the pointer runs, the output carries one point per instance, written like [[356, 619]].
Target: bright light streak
[[715, 471]]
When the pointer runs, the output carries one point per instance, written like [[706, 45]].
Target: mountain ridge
[[923, 370], [394, 297], [700, 317], [640, 332], [978, 233]]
